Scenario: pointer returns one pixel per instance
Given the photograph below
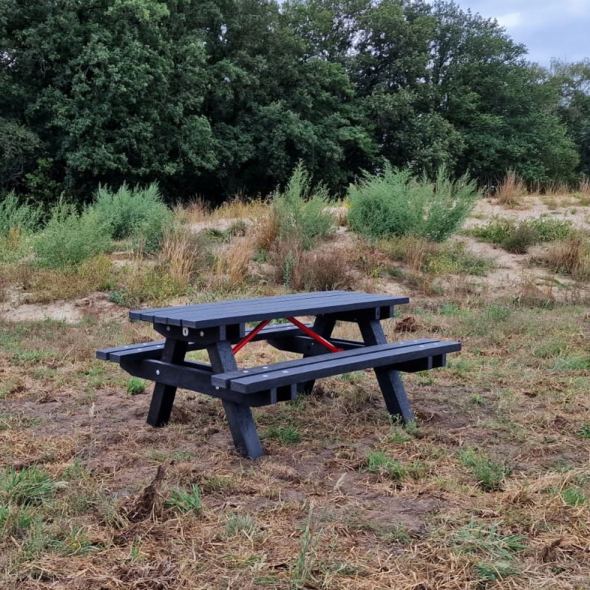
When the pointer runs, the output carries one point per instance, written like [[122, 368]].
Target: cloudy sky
[[549, 28]]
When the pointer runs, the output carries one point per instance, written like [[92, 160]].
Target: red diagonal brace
[[249, 336], [314, 335]]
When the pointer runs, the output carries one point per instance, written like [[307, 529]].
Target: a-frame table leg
[[390, 382], [323, 325], [163, 395], [240, 419]]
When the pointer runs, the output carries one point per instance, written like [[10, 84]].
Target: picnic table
[[224, 328]]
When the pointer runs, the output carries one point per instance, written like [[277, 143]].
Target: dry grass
[[231, 269], [571, 257], [511, 190], [181, 255], [584, 187]]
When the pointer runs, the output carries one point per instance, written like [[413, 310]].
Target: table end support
[[390, 381], [239, 417], [163, 395]]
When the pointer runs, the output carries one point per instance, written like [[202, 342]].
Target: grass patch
[[490, 475], [570, 257], [240, 524], [135, 386], [380, 463], [494, 551], [287, 435], [517, 237], [573, 496], [186, 500], [29, 487]]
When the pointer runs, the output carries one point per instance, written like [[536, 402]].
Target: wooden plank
[[335, 366], [224, 379]]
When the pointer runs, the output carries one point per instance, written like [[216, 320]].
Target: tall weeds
[[510, 190]]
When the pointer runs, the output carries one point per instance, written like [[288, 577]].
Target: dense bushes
[[226, 96], [70, 237], [396, 204], [134, 213], [17, 216]]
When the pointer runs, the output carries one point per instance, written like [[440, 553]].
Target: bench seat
[[408, 356]]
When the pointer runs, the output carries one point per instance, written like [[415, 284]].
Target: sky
[[549, 28]]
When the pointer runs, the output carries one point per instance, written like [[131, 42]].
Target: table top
[[222, 313]]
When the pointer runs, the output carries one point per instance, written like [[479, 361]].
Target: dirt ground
[[489, 489]]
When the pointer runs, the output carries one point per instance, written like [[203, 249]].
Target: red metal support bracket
[[249, 336], [314, 335], [306, 330]]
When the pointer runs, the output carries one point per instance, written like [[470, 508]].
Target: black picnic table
[[224, 328]]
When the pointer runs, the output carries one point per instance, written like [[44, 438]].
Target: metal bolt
[[185, 331], [201, 333], [157, 371]]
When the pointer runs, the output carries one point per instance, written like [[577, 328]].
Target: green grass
[[29, 487], [186, 500], [135, 386], [493, 551], [380, 463], [240, 523], [573, 496], [287, 435], [584, 430], [489, 474], [517, 237]]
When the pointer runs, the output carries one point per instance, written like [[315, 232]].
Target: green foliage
[[489, 474], [300, 211], [397, 204], [493, 550], [584, 431], [70, 237], [227, 97], [287, 435], [134, 213], [186, 500], [28, 487], [378, 462], [517, 237], [17, 216], [573, 496], [135, 386], [240, 523]]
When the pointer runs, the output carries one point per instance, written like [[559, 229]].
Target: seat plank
[[381, 355], [224, 379]]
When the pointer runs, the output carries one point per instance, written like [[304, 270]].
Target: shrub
[[571, 257], [516, 236], [299, 213], [397, 204], [17, 216], [70, 237], [136, 213]]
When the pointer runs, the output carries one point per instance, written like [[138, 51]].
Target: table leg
[[163, 395], [239, 417], [324, 326], [390, 382]]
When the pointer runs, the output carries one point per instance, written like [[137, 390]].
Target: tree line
[[219, 97]]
